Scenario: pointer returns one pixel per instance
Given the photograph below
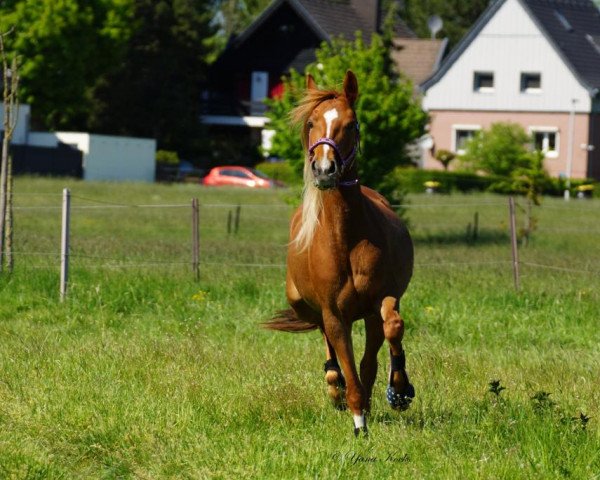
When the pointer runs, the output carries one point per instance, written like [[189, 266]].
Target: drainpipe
[[567, 192]]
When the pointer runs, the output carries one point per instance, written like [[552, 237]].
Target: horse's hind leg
[[336, 384], [400, 392], [368, 364]]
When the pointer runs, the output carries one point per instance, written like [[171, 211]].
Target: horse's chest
[[352, 275]]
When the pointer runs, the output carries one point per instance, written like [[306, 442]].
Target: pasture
[[144, 373]]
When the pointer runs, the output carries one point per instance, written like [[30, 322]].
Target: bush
[[167, 157], [412, 180], [404, 180], [500, 150], [281, 171]]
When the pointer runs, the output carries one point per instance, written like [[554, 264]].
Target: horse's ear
[[310, 82], [350, 87]]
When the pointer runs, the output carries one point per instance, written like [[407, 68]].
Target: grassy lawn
[[144, 373]]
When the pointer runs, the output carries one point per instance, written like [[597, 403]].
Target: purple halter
[[345, 162]]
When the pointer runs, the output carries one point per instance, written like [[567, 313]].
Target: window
[[483, 82], [545, 139], [531, 82], [461, 136], [234, 173]]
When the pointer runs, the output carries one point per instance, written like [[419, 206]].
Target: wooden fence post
[[195, 239], [64, 244], [513, 241], [238, 211]]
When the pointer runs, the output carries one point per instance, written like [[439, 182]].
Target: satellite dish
[[435, 24]]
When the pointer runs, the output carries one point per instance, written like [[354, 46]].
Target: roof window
[[563, 21]]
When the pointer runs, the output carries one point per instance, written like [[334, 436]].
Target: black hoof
[[357, 432], [400, 401]]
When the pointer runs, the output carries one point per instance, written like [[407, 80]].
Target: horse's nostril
[[331, 169]]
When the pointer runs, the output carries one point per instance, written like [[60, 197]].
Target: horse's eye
[[309, 124], [352, 126]]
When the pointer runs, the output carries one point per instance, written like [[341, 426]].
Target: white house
[[532, 62]]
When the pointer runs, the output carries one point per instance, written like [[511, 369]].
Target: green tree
[[65, 45], [504, 151], [498, 151], [233, 16], [154, 91], [458, 16], [389, 115]]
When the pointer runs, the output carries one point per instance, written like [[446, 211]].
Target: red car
[[237, 176]]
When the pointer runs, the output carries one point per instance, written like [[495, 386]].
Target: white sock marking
[[359, 421]]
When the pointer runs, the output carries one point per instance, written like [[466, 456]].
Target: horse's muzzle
[[325, 179]]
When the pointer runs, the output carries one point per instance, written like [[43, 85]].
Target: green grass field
[[144, 373]]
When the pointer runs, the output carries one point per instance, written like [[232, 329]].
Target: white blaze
[[329, 116]]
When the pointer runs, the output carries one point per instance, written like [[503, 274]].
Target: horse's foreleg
[[400, 392], [338, 335], [368, 365], [336, 384]]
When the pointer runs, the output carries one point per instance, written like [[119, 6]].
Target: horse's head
[[331, 134]]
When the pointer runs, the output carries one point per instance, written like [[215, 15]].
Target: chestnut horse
[[350, 257]]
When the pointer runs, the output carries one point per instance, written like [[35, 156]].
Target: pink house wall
[[442, 131]]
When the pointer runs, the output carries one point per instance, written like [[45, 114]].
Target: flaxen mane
[[311, 196]]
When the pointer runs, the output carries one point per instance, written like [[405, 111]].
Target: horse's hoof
[[336, 389], [338, 397], [400, 401], [357, 432]]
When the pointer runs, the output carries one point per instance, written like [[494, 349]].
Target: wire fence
[[473, 234]]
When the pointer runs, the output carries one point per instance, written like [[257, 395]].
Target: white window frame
[[479, 89], [555, 130], [456, 128], [524, 89]]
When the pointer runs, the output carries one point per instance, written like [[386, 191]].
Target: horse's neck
[[342, 209]]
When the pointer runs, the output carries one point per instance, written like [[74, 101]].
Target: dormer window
[[483, 82], [531, 82]]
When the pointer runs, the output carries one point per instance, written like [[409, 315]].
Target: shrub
[[167, 157], [412, 180], [282, 171], [500, 150]]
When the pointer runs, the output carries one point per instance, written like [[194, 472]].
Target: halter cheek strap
[[346, 162]]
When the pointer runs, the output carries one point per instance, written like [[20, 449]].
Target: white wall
[[22, 125], [106, 157], [509, 44], [119, 158]]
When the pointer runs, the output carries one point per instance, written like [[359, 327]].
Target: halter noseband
[[345, 162]]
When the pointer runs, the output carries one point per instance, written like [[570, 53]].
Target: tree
[[389, 116], [154, 91], [458, 16], [10, 83], [233, 16], [445, 157], [505, 151], [66, 45], [498, 151]]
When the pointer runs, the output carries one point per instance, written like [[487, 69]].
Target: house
[[533, 62], [79, 154], [284, 37]]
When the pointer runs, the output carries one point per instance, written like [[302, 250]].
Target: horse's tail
[[288, 321]]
